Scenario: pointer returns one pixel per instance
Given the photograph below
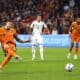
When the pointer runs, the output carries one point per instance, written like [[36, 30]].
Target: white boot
[[17, 57], [33, 58], [75, 57], [69, 56]]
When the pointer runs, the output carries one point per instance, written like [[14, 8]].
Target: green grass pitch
[[52, 68]]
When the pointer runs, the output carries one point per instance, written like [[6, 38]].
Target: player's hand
[[69, 34], [28, 40]]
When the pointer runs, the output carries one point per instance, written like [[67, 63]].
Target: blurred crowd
[[57, 14]]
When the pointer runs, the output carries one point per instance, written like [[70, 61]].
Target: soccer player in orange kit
[[75, 37], [7, 36]]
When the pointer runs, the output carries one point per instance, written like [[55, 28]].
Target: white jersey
[[37, 27]]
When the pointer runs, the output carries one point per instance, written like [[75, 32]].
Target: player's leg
[[40, 41], [10, 48], [71, 47], [41, 51], [10, 53], [73, 39], [33, 51], [4, 51], [33, 47], [70, 50], [5, 61], [76, 51], [17, 57], [7, 57]]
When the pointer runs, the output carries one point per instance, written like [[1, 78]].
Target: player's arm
[[71, 29], [21, 41], [46, 28], [31, 27]]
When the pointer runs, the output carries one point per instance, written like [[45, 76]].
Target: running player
[[75, 37], [7, 36]]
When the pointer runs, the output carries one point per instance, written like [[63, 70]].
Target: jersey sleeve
[[32, 25], [45, 26]]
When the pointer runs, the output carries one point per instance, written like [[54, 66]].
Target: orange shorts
[[10, 48], [75, 38]]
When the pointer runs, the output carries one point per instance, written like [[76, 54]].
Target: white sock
[[75, 56], [41, 52], [33, 52]]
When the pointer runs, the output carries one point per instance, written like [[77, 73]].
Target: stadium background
[[49, 41], [57, 14]]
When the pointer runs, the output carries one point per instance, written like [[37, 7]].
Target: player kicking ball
[[75, 37], [7, 36], [37, 27]]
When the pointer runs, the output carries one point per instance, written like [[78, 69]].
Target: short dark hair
[[39, 14]]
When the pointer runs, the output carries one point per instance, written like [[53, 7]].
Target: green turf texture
[[52, 68]]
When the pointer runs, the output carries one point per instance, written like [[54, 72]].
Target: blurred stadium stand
[[58, 14]]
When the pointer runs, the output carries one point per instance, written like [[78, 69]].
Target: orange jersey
[[75, 35], [76, 29], [7, 36]]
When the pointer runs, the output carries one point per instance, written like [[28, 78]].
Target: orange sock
[[6, 60]]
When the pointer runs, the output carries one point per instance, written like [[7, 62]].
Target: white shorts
[[37, 39]]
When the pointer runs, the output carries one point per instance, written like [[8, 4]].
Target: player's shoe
[[69, 56], [33, 58], [0, 68], [18, 58], [75, 57], [42, 59]]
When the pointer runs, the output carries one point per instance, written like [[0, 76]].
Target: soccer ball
[[69, 67]]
